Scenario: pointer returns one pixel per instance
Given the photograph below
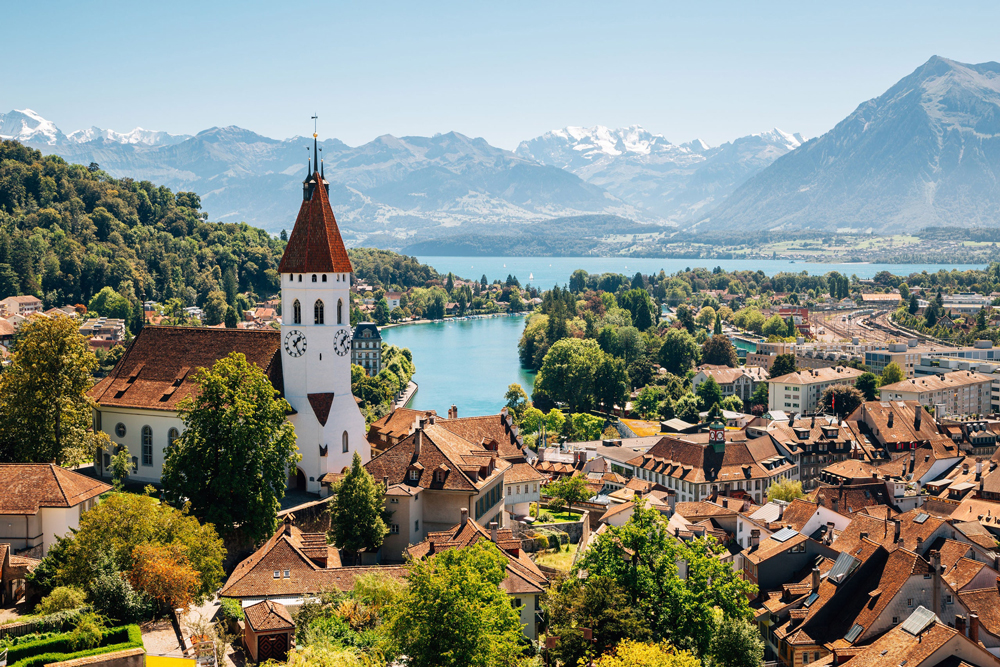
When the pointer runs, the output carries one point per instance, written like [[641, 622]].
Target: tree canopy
[[357, 514], [234, 430]]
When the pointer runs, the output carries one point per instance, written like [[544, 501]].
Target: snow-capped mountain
[[28, 127], [136, 136], [675, 182], [924, 153]]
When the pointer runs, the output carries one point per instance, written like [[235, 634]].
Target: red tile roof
[[268, 615], [157, 370], [27, 487], [315, 245]]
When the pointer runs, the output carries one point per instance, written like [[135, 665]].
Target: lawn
[[560, 560], [559, 516]]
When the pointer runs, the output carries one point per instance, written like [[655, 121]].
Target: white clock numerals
[[295, 343]]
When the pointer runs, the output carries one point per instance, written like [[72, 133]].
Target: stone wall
[[132, 657]]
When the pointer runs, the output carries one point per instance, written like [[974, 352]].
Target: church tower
[[316, 338]]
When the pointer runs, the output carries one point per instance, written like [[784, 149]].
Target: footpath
[[408, 393]]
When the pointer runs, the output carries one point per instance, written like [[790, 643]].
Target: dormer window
[[414, 474]]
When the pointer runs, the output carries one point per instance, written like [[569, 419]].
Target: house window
[[394, 529], [172, 435], [340, 311], [120, 430], [318, 312], [277, 574], [909, 602], [147, 446], [343, 440], [393, 501], [947, 599], [895, 620], [414, 475], [288, 574], [516, 603], [297, 312], [416, 526]]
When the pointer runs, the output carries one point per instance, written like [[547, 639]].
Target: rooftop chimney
[[979, 468], [453, 412], [836, 504], [913, 459], [960, 624], [493, 531], [891, 418], [917, 415], [385, 481], [465, 517], [288, 524], [813, 425], [815, 578], [430, 418], [974, 626], [755, 537], [418, 440], [895, 532]]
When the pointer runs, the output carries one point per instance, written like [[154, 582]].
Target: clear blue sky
[[505, 71]]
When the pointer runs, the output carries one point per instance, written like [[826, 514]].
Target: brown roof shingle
[[157, 370], [27, 487], [315, 245]]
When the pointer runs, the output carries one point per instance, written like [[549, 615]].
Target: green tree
[[516, 402], [687, 408], [568, 491], [759, 395], [717, 329], [775, 326], [706, 317], [678, 352], [891, 374], [110, 303], [841, 399], [641, 306], [732, 403], [567, 373], [914, 305], [586, 427], [532, 420], [709, 393], [235, 430], [736, 643], [786, 490], [112, 531], [686, 317], [231, 318], [647, 402], [596, 603], [215, 308], [357, 514], [719, 351], [381, 313], [867, 384], [642, 557], [578, 281], [611, 382], [121, 466], [904, 292], [783, 365], [454, 614], [45, 413], [449, 284], [554, 421]]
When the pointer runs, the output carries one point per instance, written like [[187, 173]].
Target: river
[[467, 363], [544, 272]]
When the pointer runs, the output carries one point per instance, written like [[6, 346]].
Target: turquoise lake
[[466, 363], [470, 363], [544, 272]]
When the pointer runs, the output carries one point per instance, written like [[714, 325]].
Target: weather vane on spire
[[315, 116]]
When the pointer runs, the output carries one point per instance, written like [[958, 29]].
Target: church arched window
[[300, 277], [343, 440], [324, 277], [318, 312], [340, 311], [314, 277], [172, 436], [296, 312], [147, 446]]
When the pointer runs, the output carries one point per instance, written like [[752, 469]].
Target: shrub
[[231, 610], [61, 599], [61, 647], [114, 597], [88, 633]]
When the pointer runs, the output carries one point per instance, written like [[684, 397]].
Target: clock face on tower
[[295, 343], [342, 342]]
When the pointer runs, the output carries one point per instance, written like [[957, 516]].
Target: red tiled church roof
[[315, 245]]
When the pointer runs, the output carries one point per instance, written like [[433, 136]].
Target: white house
[[42, 501]]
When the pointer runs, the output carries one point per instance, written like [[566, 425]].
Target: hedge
[[59, 649]]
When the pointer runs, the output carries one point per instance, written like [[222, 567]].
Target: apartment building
[[958, 393], [801, 391]]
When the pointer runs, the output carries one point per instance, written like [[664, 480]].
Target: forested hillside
[[67, 231]]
